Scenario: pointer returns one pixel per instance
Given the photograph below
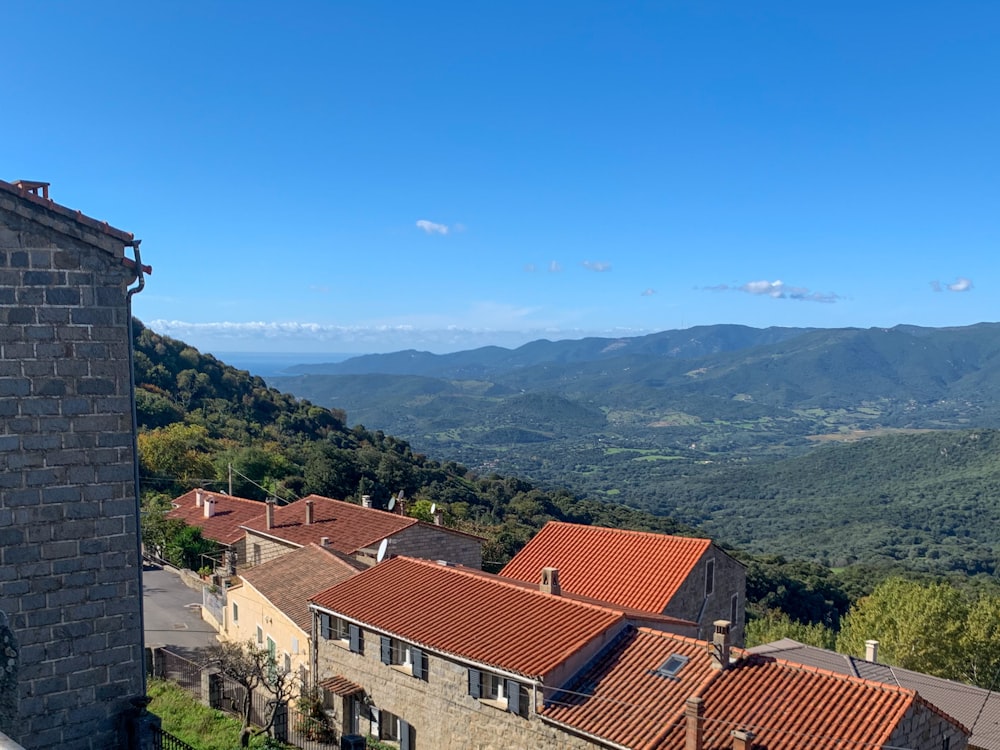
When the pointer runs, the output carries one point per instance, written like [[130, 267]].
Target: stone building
[[70, 572], [356, 531], [430, 655], [684, 577]]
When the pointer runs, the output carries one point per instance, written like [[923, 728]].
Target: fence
[[308, 732], [166, 741]]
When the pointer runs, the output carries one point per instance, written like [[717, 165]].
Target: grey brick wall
[[730, 580], [69, 567]]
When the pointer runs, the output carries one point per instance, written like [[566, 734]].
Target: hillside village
[[589, 637]]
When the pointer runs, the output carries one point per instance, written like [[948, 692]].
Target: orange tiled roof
[[622, 699], [230, 514], [349, 527], [637, 569], [470, 614], [289, 580]]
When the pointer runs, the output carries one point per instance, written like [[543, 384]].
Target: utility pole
[[230, 479]]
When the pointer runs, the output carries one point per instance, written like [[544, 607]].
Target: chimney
[[720, 645], [270, 512], [437, 516], [550, 581], [324, 541], [198, 495], [309, 512], [871, 651], [742, 739], [209, 506], [366, 501], [692, 715]]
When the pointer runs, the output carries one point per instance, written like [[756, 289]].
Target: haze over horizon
[[378, 177]]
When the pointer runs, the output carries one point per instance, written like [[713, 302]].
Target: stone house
[[431, 655], [660, 691], [220, 518], [354, 530], [70, 570], [975, 707], [688, 578], [269, 605]]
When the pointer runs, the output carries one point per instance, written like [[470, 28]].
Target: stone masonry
[[70, 573]]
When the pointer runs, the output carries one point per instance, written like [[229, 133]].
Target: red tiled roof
[[340, 685], [470, 614], [622, 699], [230, 514], [101, 226], [288, 581], [637, 569], [349, 527]]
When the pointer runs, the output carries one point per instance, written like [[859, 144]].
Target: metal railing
[[163, 740]]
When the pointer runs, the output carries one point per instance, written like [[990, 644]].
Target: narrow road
[[172, 614]]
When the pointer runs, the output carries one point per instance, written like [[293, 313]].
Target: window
[[260, 636], [295, 645], [709, 577], [734, 609], [393, 729], [236, 612], [256, 554], [498, 691], [401, 654], [334, 628], [672, 666], [288, 663]]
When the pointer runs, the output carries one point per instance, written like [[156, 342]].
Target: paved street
[[171, 615]]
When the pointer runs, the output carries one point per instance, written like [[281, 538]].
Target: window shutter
[[474, 683], [513, 690], [417, 657], [355, 638], [386, 645], [324, 625], [405, 741]]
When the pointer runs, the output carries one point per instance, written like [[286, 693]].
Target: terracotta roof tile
[[288, 581], [638, 569], [621, 698], [15, 188], [340, 685], [470, 614], [230, 514], [349, 527]]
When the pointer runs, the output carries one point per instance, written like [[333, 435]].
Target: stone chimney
[[198, 498], [366, 501], [324, 541], [871, 651], [742, 739], [209, 506], [309, 512], [693, 711], [269, 514], [550, 581], [719, 649], [438, 515]]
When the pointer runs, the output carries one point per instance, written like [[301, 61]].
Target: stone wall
[[432, 543], [261, 549], [439, 708], [70, 573], [691, 602], [923, 728]]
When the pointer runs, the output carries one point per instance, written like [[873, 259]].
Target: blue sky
[[374, 176]]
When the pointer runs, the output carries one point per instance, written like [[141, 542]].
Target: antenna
[[434, 508], [392, 503], [382, 547]]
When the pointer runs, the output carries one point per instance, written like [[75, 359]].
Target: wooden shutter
[[417, 657], [355, 638], [513, 690], [474, 683], [324, 626], [386, 648], [405, 740]]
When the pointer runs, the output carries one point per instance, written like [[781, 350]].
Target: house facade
[[683, 577], [430, 655], [220, 517], [70, 570]]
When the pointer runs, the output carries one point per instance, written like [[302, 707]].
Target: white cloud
[[431, 227], [777, 290], [596, 265], [648, 292], [554, 267], [960, 285]]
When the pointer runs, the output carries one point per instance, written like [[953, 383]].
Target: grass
[[199, 726]]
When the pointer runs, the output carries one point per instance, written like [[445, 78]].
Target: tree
[[980, 643], [918, 626], [254, 668], [774, 625]]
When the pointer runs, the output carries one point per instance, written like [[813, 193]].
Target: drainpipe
[[141, 283]]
